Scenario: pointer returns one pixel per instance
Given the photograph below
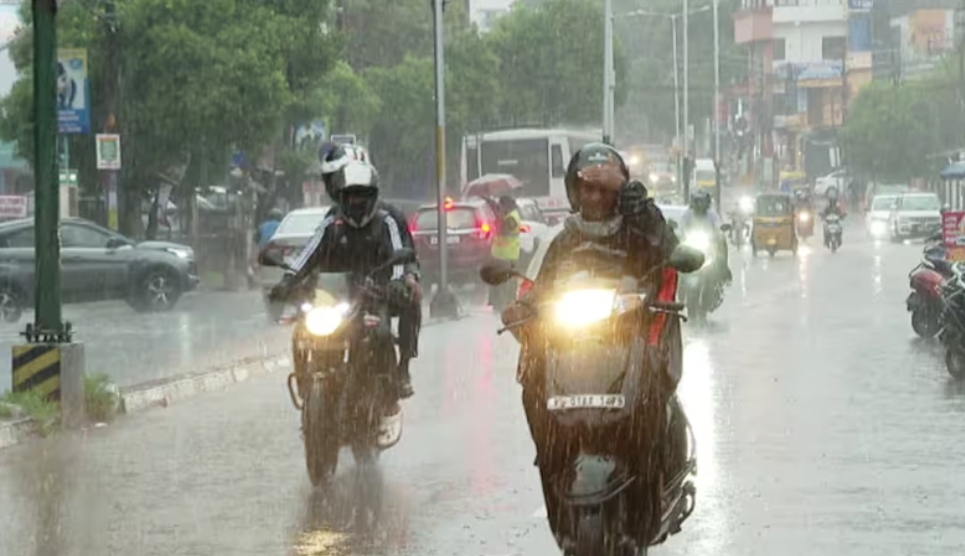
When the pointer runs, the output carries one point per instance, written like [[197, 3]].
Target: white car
[[879, 212], [915, 215], [838, 179], [533, 226], [292, 234]]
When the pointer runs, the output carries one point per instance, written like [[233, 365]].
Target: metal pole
[[676, 92], [686, 143], [608, 71], [113, 196], [47, 195], [717, 101], [444, 302]]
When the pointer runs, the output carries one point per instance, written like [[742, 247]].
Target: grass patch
[[100, 398], [45, 414]]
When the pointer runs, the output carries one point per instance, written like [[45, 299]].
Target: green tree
[[551, 60], [891, 130]]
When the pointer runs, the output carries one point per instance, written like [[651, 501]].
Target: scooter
[[832, 232], [925, 300], [703, 290]]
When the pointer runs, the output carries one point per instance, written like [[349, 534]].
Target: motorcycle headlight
[[747, 204], [653, 177], [322, 321], [804, 216], [584, 307], [878, 228], [699, 241]]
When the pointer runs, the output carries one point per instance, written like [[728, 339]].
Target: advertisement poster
[[953, 234], [13, 206], [73, 91], [108, 151]]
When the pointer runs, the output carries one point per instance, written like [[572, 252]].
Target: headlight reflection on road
[[803, 256], [876, 275], [697, 392]]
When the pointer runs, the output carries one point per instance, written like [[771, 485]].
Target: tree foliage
[[891, 131]]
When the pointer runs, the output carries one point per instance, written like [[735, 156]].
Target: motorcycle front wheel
[[321, 441]]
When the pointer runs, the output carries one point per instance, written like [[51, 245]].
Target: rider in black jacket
[[357, 237], [334, 158], [615, 221]]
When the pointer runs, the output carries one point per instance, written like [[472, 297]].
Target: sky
[[8, 23]]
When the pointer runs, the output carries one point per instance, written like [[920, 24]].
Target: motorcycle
[[832, 232], [952, 320], [925, 300], [344, 363], [703, 290], [616, 477]]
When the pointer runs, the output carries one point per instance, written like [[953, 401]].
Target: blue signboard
[[73, 91], [860, 5]]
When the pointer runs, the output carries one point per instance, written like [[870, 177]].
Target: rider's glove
[[632, 199]]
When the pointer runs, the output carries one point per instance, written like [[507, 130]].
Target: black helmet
[[359, 192], [592, 154], [333, 158], [700, 202]]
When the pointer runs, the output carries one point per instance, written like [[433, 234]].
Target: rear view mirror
[[726, 228], [116, 243], [937, 236], [686, 259], [673, 225], [497, 272]]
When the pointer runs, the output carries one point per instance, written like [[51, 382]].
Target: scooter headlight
[[878, 228], [580, 308], [699, 241], [804, 216], [323, 321], [747, 204]]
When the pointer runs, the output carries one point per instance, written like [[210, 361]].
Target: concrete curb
[[15, 432], [164, 392]]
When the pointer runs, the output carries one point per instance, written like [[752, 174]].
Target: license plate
[[587, 401], [450, 240]]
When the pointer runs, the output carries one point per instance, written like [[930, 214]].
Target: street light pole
[[686, 141], [444, 302], [608, 72], [715, 112], [676, 89]]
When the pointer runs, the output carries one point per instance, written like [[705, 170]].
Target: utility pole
[[109, 178], [608, 72], [716, 111], [444, 303], [48, 362], [686, 141], [676, 92]]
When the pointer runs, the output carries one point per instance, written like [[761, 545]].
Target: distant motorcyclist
[[357, 237], [832, 208], [700, 214], [334, 158], [614, 217]]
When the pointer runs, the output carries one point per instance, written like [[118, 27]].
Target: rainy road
[[822, 426], [205, 329]]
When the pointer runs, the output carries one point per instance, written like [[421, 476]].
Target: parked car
[[470, 227], [292, 234], [97, 264], [879, 213], [838, 179], [915, 215]]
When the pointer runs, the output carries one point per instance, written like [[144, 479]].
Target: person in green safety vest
[[506, 247]]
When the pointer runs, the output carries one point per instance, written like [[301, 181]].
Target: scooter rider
[[613, 215], [356, 238], [334, 158], [832, 208], [700, 213]]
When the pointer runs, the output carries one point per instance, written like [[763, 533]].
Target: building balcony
[[753, 24]]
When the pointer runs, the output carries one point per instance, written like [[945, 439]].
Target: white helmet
[[358, 193]]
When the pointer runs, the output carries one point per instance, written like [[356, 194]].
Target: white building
[[483, 13]]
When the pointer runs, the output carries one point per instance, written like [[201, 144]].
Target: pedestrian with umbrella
[[505, 246]]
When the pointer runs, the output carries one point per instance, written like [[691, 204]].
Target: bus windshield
[[526, 159]]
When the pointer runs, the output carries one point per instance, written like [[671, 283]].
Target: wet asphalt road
[[823, 426]]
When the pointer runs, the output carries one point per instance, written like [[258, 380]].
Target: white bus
[[537, 157]]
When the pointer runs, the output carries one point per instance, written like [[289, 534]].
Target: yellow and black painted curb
[[37, 367]]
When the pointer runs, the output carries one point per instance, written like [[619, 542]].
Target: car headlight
[[180, 253], [634, 160], [584, 307], [747, 204], [322, 321], [804, 216], [654, 178]]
